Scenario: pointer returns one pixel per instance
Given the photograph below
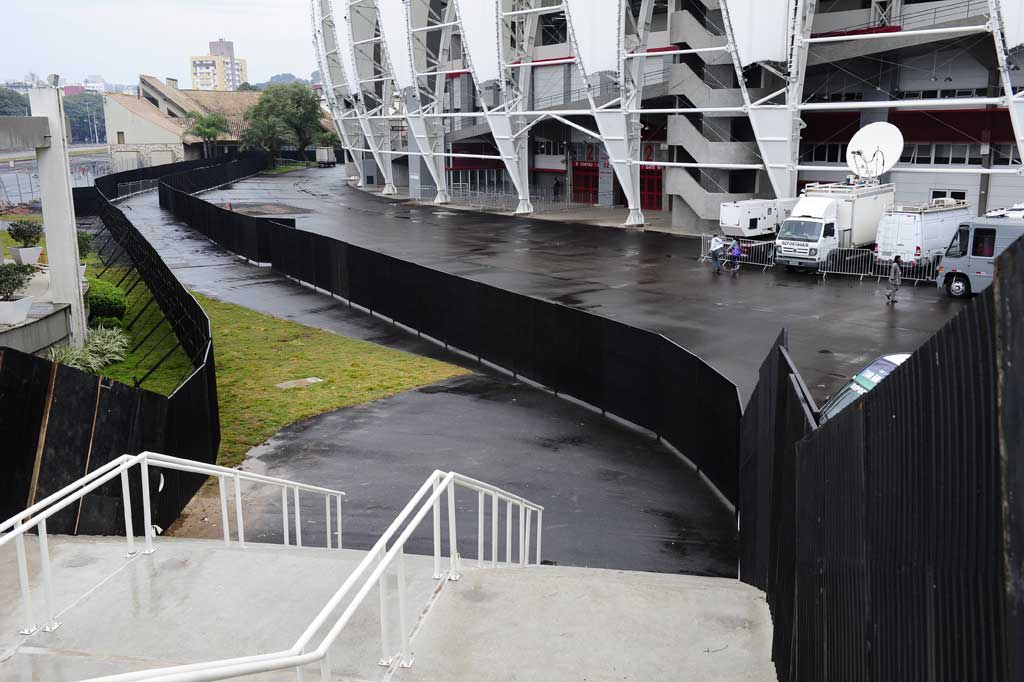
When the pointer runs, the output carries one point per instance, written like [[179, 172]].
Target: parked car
[[862, 382], [968, 265]]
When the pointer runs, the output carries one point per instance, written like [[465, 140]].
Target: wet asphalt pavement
[[613, 497], [647, 279]]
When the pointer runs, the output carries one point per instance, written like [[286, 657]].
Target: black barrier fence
[[637, 375], [888, 540], [58, 423]]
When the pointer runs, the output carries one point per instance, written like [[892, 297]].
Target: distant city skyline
[[122, 38]]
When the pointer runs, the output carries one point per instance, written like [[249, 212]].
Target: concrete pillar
[[59, 210]]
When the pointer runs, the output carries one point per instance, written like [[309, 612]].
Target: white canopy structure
[[388, 66]]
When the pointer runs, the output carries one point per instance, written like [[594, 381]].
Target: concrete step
[[198, 600]]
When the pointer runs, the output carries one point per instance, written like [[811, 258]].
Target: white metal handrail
[[373, 572], [36, 516]]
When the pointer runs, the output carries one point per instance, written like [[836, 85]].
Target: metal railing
[[500, 200], [36, 516], [913, 19], [127, 189], [759, 254], [372, 572], [863, 263]]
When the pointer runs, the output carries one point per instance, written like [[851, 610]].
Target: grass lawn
[[254, 352], [278, 170]]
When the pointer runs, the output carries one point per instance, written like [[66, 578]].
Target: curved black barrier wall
[[890, 541], [634, 374], [59, 423]]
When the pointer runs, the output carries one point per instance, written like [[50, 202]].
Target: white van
[[920, 233], [969, 264]]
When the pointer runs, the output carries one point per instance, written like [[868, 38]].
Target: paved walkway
[[614, 498], [650, 280]]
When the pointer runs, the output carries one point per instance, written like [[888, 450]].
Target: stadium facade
[[672, 105]]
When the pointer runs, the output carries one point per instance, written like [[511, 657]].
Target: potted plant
[[28, 234], [13, 278], [84, 249]]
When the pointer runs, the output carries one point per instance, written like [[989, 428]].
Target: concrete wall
[[136, 129]]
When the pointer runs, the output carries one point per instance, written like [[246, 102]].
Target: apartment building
[[220, 69]]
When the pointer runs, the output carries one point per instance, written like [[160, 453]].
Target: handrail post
[[494, 529], [382, 587], [44, 558], [239, 522], [453, 546], [327, 512], [338, 524], [284, 513], [222, 485], [540, 529], [298, 518], [126, 499], [522, 534], [406, 653], [508, 532], [325, 667], [437, 534], [147, 514], [26, 593], [480, 528]]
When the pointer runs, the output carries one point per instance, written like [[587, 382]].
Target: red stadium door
[[651, 188], [584, 182]]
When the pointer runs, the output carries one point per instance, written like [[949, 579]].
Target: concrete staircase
[[199, 600]]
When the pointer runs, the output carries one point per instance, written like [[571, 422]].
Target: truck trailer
[[830, 216], [325, 157], [754, 217]]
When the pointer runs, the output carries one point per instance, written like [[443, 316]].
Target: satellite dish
[[874, 150]]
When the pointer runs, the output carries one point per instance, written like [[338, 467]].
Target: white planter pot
[[15, 312], [26, 255]]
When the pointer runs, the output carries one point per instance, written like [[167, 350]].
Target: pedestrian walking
[[895, 280], [716, 250]]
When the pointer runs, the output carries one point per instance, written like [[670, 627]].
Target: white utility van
[[754, 217], [830, 216], [920, 233], [969, 264]]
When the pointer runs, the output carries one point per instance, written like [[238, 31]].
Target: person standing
[[716, 250], [556, 190], [895, 280]]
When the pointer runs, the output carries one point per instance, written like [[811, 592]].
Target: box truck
[[325, 157], [920, 233], [830, 216], [754, 217]]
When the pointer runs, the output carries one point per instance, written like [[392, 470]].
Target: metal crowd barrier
[[864, 263], [752, 252]]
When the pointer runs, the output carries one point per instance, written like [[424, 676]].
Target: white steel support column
[[619, 127], [335, 82], [1014, 105], [481, 24], [59, 210], [360, 24]]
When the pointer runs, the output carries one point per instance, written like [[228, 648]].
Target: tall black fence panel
[[632, 373]]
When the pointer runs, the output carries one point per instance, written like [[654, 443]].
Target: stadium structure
[[671, 105]]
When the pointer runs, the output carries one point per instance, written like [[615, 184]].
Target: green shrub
[[102, 347], [84, 244], [13, 278], [106, 322], [26, 232], [106, 300]]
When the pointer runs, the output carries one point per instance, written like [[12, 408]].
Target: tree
[[85, 114], [296, 107], [246, 86], [13, 103], [328, 138], [207, 127], [264, 133]]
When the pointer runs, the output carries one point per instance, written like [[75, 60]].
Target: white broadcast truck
[[754, 217], [921, 233], [830, 216], [325, 157]]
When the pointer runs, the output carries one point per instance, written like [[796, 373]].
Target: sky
[[119, 39]]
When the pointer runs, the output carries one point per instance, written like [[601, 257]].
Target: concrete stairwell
[[688, 30], [193, 601]]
